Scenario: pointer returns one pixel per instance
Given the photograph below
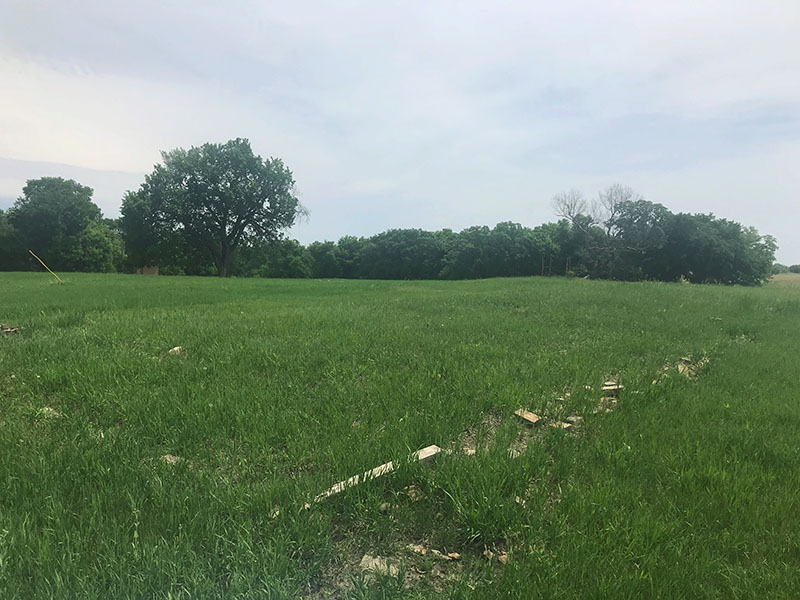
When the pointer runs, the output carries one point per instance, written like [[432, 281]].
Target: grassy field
[[129, 472], [785, 280]]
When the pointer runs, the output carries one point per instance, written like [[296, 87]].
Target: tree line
[[219, 209]]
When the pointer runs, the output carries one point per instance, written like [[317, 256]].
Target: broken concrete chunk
[[527, 416], [175, 351], [427, 454], [605, 405], [414, 493], [418, 549], [574, 419], [380, 565], [171, 459], [8, 329], [690, 368], [561, 425], [611, 388], [49, 413]]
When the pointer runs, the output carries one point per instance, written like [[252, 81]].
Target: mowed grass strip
[[128, 472]]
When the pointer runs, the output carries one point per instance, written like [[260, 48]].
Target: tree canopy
[[220, 209], [57, 219], [209, 201]]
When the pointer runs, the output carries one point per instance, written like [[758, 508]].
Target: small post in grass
[[45, 266]]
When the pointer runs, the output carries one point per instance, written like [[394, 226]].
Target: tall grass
[[687, 489]]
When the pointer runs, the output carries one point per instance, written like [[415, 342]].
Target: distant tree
[[638, 232], [512, 251], [403, 254], [140, 231], [50, 215], [794, 269], [571, 205], [215, 198], [96, 249], [12, 251], [609, 204], [778, 269], [324, 260], [287, 259], [352, 251], [468, 257], [705, 249], [282, 258]]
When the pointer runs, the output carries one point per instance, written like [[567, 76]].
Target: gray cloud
[[432, 115]]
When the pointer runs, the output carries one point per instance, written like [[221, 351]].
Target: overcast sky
[[418, 114]]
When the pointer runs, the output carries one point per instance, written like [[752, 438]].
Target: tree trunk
[[223, 262]]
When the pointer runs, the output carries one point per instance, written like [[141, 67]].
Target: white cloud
[[419, 114]]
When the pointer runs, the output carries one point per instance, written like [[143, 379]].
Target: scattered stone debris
[[691, 368], [565, 397], [574, 420], [413, 493], [379, 565], [606, 405], [561, 425], [49, 413], [514, 453], [8, 329], [611, 388], [171, 459], [423, 551], [502, 557], [686, 366], [175, 351], [527, 416]]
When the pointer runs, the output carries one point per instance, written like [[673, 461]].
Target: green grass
[[687, 490]]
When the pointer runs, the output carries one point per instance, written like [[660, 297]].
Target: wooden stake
[[45, 266]]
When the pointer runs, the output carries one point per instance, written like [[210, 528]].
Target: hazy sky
[[418, 114]]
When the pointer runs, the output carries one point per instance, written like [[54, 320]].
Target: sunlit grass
[[687, 489]]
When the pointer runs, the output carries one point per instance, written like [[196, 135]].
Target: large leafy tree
[[213, 199], [49, 217]]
